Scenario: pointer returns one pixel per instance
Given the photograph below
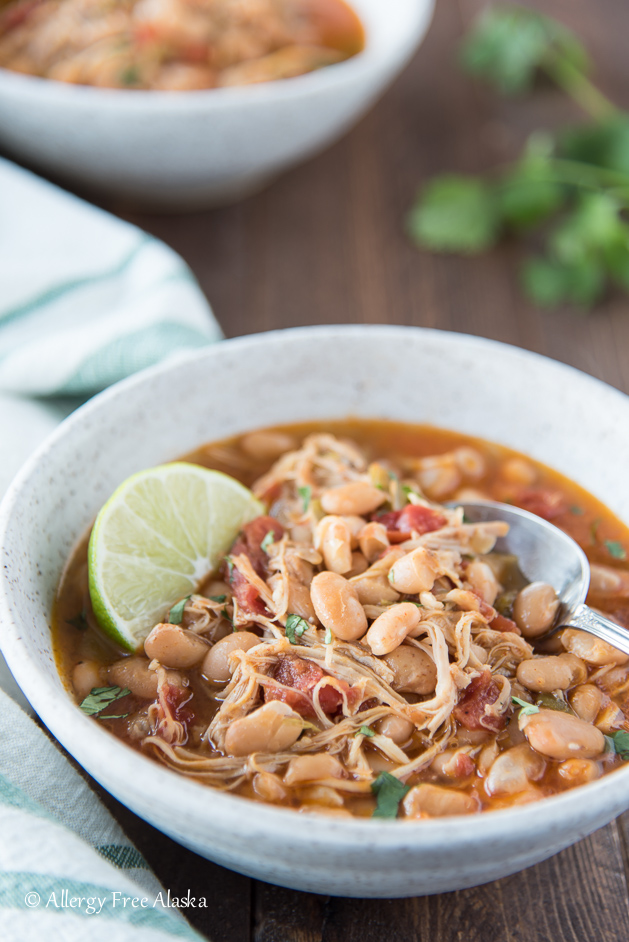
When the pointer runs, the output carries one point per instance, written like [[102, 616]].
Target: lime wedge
[[156, 538]]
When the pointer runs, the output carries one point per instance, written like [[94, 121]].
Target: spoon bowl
[[547, 554]]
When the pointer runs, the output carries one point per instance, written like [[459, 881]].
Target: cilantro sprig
[[389, 792], [101, 697], [575, 184], [526, 709], [618, 742], [295, 627], [175, 615]]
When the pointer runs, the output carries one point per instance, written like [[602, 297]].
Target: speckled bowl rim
[[98, 748]]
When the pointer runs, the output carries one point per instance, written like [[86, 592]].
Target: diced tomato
[[412, 518], [496, 621], [544, 502], [470, 710], [176, 698], [502, 623], [301, 676], [249, 543], [16, 14]]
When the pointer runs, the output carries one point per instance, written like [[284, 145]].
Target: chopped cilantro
[[100, 697], [79, 621], [389, 792], [305, 493], [527, 709], [230, 565], [295, 627], [175, 616], [577, 511], [218, 598], [266, 542], [130, 75], [367, 731], [616, 549], [618, 742], [328, 636], [594, 530], [548, 702]]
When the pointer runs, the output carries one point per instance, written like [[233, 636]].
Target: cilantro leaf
[[389, 792], [367, 731], [600, 144], [527, 709], [548, 702], [509, 44], [455, 214], [620, 742], [615, 549], [546, 283], [266, 542], [175, 616], [577, 511], [79, 621], [218, 598], [100, 697], [531, 191], [295, 627], [305, 493], [328, 636]]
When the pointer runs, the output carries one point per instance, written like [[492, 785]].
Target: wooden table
[[326, 244]]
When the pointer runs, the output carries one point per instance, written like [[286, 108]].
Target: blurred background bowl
[[186, 150]]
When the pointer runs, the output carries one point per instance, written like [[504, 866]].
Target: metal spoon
[[547, 554]]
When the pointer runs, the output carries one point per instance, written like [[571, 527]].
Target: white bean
[[357, 498], [85, 676], [266, 445], [555, 672], [438, 802], [395, 728], [483, 580], [273, 727], [174, 646], [535, 608], [337, 607], [216, 663], [591, 649], [415, 671], [389, 630], [373, 540], [415, 572], [133, 672], [312, 768], [562, 736], [586, 701], [513, 770], [334, 539]]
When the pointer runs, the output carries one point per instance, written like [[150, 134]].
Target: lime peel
[[157, 537]]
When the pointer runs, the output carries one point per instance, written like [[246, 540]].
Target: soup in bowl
[[262, 825]]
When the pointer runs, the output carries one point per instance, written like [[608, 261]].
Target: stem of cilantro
[[572, 80]]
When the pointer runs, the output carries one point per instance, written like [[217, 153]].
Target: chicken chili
[[175, 45], [364, 650]]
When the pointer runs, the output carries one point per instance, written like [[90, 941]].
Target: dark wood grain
[[326, 244]]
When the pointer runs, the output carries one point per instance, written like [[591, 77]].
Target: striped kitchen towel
[[66, 867], [85, 299]]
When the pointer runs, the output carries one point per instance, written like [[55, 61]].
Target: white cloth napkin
[[85, 300], [65, 865]]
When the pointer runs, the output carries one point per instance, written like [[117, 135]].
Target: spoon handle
[[588, 620]]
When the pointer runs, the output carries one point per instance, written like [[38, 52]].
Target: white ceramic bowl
[[550, 411], [190, 149]]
